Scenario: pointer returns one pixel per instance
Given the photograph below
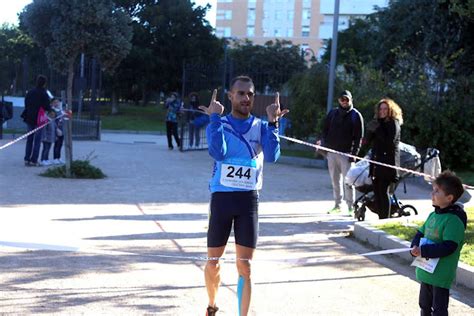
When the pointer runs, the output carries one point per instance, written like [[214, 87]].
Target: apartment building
[[304, 22]]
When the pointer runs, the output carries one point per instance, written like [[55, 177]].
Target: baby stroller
[[358, 176]]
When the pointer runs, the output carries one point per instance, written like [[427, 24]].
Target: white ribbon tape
[[299, 261]]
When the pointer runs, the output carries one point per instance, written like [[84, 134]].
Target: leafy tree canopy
[[168, 33], [67, 28], [276, 61]]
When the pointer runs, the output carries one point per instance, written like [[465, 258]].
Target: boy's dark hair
[[241, 78], [41, 81], [450, 184]]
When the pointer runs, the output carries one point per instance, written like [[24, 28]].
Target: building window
[[267, 33], [224, 15], [291, 15], [289, 32], [278, 15], [305, 31], [277, 33], [251, 16], [224, 1], [306, 15], [223, 31], [250, 31], [252, 3], [306, 4], [303, 48]]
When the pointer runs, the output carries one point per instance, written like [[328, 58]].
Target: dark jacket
[[343, 130], [447, 247], [385, 142], [35, 99]]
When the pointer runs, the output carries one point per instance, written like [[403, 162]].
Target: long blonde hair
[[394, 110]]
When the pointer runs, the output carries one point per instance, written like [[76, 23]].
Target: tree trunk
[[144, 96], [68, 123], [70, 80], [115, 108]]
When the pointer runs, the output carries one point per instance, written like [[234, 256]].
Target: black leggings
[[433, 300], [172, 130], [382, 197]]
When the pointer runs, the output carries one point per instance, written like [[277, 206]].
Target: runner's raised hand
[[214, 107], [274, 113]]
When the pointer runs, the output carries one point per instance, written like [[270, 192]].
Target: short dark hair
[[241, 78], [450, 184], [41, 81]]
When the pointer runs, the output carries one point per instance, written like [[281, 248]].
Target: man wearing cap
[[343, 130]]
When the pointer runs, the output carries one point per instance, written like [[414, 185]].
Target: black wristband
[[273, 124]]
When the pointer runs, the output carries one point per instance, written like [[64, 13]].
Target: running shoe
[[211, 311], [335, 210]]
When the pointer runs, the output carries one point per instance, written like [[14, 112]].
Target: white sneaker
[[58, 162], [46, 163]]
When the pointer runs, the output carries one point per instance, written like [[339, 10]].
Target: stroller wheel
[[359, 213], [408, 210]]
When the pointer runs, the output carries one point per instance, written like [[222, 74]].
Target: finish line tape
[[300, 261], [364, 159], [29, 133]]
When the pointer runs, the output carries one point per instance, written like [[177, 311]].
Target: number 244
[[238, 173]]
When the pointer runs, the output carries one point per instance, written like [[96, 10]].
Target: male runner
[[239, 143]]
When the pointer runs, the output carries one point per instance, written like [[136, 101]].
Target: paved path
[[155, 202]]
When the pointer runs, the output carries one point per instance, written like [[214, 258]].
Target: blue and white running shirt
[[239, 147]]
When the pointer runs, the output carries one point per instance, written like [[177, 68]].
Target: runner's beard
[[244, 109]]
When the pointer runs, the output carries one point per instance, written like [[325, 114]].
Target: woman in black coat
[[383, 133]]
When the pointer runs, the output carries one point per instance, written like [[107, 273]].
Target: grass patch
[[407, 232], [14, 131], [134, 118], [80, 169], [298, 153]]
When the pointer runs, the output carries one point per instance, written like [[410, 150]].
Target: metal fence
[[191, 136], [86, 129], [202, 79]]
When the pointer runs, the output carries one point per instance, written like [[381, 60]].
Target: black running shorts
[[239, 208]]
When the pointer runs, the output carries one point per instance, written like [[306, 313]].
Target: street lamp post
[[332, 65]]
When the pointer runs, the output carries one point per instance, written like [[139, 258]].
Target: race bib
[[429, 265], [239, 173]]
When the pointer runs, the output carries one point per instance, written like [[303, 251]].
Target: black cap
[[346, 94]]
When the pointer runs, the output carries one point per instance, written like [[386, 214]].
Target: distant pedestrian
[[343, 130], [36, 101], [197, 120], [48, 137], [58, 108], [440, 239], [173, 105]]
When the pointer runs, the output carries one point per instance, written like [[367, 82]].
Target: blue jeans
[[194, 134], [33, 143], [45, 153]]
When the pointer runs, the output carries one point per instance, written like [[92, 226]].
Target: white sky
[[9, 10]]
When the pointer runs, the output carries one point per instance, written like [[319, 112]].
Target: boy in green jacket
[[442, 237]]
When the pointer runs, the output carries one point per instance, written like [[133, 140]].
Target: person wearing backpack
[[36, 99], [343, 130]]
